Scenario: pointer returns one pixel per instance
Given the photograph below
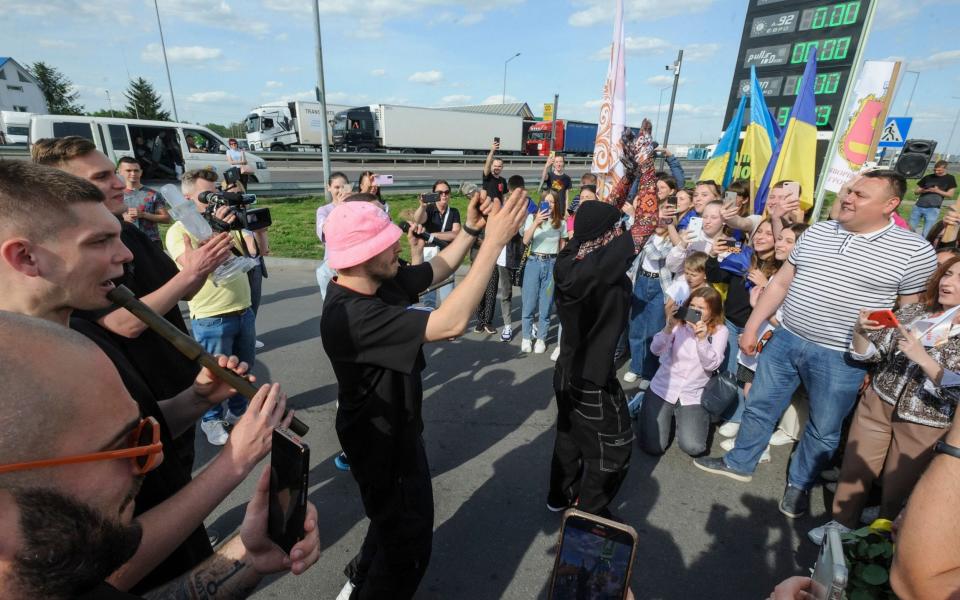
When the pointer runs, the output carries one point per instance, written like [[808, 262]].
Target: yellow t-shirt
[[211, 300]]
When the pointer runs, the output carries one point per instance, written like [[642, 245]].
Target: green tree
[[143, 102], [57, 89], [105, 112], [227, 131]]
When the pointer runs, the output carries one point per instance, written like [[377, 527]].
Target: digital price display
[[778, 36]]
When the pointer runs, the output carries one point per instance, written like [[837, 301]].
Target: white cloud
[[378, 72], [662, 80], [641, 46], [470, 19], [933, 61], [452, 18], [281, 37], [89, 9], [454, 99], [498, 99], [211, 97], [47, 43], [431, 77], [289, 69], [180, 54], [699, 51], [273, 84], [601, 11]]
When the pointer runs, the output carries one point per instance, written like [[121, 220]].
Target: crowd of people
[[840, 337]]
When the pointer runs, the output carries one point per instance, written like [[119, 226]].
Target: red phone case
[[885, 318]]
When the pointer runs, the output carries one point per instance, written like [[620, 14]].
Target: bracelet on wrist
[[471, 230]]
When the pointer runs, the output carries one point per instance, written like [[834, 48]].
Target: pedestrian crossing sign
[[895, 132]]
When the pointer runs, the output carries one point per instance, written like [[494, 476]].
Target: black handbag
[[720, 393], [517, 274]]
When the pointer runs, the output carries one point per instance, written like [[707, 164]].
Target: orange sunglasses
[[144, 448], [763, 341]]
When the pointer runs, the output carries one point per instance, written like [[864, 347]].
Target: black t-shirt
[[166, 371], [437, 223], [932, 199], [559, 184], [375, 344], [496, 187], [165, 480]]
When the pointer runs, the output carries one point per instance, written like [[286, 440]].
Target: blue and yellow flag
[[795, 157], [761, 136], [720, 166]]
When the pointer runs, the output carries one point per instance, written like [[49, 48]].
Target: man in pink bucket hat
[[374, 337]]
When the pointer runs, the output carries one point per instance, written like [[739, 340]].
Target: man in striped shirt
[[861, 260]]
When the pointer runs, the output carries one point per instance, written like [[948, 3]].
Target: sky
[[227, 56]]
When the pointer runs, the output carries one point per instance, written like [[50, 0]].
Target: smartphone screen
[[383, 179], [289, 470], [730, 199], [594, 558], [544, 206], [672, 201], [690, 315], [792, 187], [430, 198], [695, 226], [885, 318], [496, 140]]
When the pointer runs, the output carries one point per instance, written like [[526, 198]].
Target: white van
[[14, 127], [159, 146]]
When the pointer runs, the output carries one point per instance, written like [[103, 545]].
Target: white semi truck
[[14, 127], [410, 129], [288, 125]]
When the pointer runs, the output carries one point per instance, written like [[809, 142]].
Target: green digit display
[[833, 15], [782, 115], [837, 13], [828, 48], [853, 11], [843, 46], [832, 82], [819, 17], [823, 115], [799, 51]]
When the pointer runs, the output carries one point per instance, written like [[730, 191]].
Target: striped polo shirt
[[839, 272]]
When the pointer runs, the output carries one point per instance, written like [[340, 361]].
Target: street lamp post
[[912, 90], [656, 129], [503, 98], [673, 96], [952, 130], [321, 92], [163, 47]]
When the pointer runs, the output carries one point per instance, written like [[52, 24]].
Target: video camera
[[246, 218]]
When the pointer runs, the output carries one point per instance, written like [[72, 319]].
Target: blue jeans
[[235, 335], [646, 319], [436, 297], [832, 381], [537, 295], [324, 275], [734, 414], [928, 214]]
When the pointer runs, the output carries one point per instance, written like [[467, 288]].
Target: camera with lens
[[246, 218]]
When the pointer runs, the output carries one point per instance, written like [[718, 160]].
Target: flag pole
[[834, 139]]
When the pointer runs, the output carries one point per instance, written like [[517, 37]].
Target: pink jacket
[[686, 363]]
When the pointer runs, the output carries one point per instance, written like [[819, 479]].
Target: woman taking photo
[[704, 193], [545, 232], [690, 351], [910, 402]]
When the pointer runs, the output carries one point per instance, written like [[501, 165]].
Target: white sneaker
[[870, 514], [555, 354], [346, 591], [729, 429], [644, 384], [780, 438], [526, 345], [630, 376], [258, 345], [728, 445], [539, 347], [816, 534], [216, 432], [506, 334]]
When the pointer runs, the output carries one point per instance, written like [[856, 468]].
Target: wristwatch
[[941, 447]]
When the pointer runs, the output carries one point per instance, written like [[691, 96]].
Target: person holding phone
[[932, 190], [555, 179], [710, 229], [546, 234], [442, 222], [910, 402], [690, 351], [704, 192]]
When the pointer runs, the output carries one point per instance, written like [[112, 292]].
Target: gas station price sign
[[778, 36]]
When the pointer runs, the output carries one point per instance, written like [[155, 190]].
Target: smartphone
[[671, 201], [430, 198], [289, 473], [690, 315], [792, 187], [885, 318], [496, 140], [830, 572], [730, 200], [594, 559], [544, 206], [695, 225], [382, 180]]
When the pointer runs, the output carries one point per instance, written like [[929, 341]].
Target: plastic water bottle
[[186, 213]]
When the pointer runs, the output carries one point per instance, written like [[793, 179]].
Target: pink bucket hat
[[355, 232]]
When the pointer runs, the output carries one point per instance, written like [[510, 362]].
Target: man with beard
[[594, 435], [71, 462], [59, 252]]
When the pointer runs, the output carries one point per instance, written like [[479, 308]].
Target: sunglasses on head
[[144, 448]]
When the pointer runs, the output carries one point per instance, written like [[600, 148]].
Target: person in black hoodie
[[592, 291]]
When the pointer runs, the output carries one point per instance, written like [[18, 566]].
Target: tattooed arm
[[237, 567]]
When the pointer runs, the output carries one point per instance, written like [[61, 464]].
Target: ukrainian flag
[[720, 166], [795, 157], [761, 134]]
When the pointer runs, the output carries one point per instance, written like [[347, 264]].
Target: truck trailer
[[410, 129], [289, 125], [572, 138]]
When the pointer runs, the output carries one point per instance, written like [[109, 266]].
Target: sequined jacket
[[900, 381]]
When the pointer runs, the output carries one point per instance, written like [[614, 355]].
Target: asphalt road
[[489, 415]]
